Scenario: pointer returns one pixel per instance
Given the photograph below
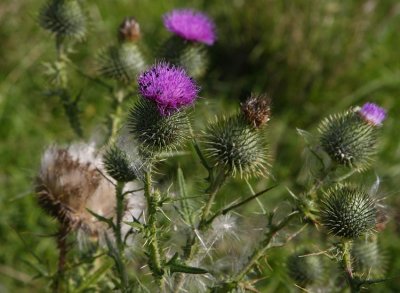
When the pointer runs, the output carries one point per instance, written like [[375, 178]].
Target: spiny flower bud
[[303, 269], [118, 165], [350, 139], [64, 18], [169, 87], [236, 147], [367, 258], [129, 30], [256, 110], [347, 211], [122, 63], [191, 56], [156, 132], [71, 182]]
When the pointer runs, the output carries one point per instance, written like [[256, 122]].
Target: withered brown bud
[[129, 30], [256, 110]]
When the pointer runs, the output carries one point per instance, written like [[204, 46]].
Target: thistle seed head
[[64, 18], [191, 25], [349, 140], [155, 132], [347, 211], [303, 269], [129, 30], [71, 181], [256, 110], [236, 147]]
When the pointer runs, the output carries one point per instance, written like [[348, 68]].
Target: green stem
[[119, 256], [114, 119], [258, 254], [154, 252], [211, 192], [354, 284], [120, 213]]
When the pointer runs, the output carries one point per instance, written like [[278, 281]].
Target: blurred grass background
[[313, 57]]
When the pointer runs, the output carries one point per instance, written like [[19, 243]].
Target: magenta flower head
[[372, 113], [168, 86], [191, 25]]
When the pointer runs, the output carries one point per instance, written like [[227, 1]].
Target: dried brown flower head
[[256, 110], [71, 181], [129, 30]]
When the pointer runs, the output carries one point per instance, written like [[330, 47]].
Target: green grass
[[313, 57]]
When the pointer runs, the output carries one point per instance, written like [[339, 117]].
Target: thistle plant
[[148, 230]]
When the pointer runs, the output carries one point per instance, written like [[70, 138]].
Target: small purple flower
[[191, 25], [168, 86], [372, 113]]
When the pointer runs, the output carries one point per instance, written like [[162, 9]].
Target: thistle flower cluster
[[92, 192]]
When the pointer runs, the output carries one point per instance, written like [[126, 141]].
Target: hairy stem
[[211, 192], [153, 250], [119, 212]]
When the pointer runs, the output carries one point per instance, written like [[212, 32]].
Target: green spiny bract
[[347, 211], [348, 139], [367, 258], [64, 18], [189, 55], [304, 270], [157, 133], [118, 165], [237, 147], [123, 62]]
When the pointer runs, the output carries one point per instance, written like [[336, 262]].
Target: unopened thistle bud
[[192, 30], [158, 120], [122, 63], [256, 110], [237, 147], [350, 139], [118, 165], [347, 211], [367, 258], [64, 18], [305, 270], [129, 30]]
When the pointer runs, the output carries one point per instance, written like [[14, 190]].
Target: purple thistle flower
[[168, 86], [372, 113], [191, 25]]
